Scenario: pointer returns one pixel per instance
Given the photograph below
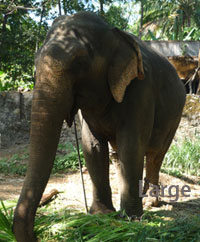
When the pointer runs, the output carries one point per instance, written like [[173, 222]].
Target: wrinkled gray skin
[[129, 96]]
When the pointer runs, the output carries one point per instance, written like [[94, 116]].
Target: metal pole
[[80, 166]]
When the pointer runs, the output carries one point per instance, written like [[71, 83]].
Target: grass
[[6, 217], [62, 225], [14, 164], [55, 224], [66, 159], [183, 158]]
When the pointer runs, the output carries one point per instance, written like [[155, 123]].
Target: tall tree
[[171, 18], [18, 37], [59, 8], [115, 17], [101, 2]]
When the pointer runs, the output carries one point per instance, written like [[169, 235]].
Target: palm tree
[[170, 17]]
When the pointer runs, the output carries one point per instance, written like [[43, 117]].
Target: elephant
[[130, 97]]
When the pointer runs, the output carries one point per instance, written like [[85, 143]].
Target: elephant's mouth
[[70, 117]]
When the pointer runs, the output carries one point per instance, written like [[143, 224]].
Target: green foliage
[[61, 225], [55, 224], [69, 160], [19, 34], [115, 17], [6, 217], [14, 165], [183, 158], [180, 159], [171, 20], [191, 33], [72, 6], [7, 84], [18, 45], [66, 159]]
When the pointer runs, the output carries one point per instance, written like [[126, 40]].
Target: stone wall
[[15, 112], [175, 48]]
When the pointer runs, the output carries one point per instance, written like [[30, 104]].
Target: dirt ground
[[70, 187], [71, 194]]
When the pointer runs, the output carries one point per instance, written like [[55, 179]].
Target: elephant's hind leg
[[153, 163], [96, 154]]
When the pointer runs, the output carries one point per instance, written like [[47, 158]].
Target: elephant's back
[[165, 81]]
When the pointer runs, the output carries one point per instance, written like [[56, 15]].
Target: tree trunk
[[141, 18], [59, 8], [40, 26], [3, 29], [142, 15], [101, 8]]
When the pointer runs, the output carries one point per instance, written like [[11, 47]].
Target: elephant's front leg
[[131, 161], [96, 154], [44, 140]]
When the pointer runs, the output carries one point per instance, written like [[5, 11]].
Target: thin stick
[[80, 166]]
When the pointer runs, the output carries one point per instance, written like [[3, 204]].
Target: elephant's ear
[[126, 64]]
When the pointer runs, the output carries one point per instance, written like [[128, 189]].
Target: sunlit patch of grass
[[52, 224], [183, 158], [65, 226]]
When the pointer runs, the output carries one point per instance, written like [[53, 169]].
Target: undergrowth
[[6, 217], [182, 158], [14, 164], [66, 159], [62, 225]]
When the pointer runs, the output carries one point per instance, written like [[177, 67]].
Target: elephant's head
[[83, 62], [81, 55]]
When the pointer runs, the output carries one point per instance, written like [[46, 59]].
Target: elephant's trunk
[[46, 121]]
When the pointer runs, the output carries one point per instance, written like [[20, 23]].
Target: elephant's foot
[[100, 208], [132, 207], [151, 194], [151, 201]]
